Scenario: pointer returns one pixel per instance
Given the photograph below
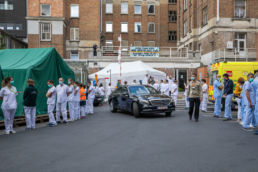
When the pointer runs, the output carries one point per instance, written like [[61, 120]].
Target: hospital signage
[[144, 52]]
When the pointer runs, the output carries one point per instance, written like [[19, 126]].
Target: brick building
[[219, 28], [140, 23], [12, 18], [71, 26]]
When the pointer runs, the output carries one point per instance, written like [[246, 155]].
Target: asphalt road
[[107, 142]]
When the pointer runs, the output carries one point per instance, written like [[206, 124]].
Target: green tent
[[1, 76], [39, 64]]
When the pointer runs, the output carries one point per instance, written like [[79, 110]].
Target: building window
[[74, 34], [185, 27], [2, 27], [137, 9], [239, 8], [75, 10], [185, 4], [137, 27], [45, 32], [172, 36], [151, 27], [109, 8], [74, 55], [45, 10], [172, 16], [6, 4], [137, 43], [109, 44], [172, 1], [109, 27], [151, 9], [124, 8], [10, 27], [124, 27], [151, 43], [240, 41], [204, 15]]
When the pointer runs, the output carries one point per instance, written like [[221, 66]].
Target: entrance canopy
[[130, 71]]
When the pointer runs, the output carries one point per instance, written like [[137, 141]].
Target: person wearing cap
[[29, 102], [228, 95], [51, 102]]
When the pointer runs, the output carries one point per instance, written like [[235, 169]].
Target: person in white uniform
[[204, 96], [29, 102], [174, 91], [134, 82], [166, 88], [110, 89], [187, 103], [8, 94], [62, 91], [91, 96], [70, 99], [76, 100], [162, 87], [102, 93], [51, 102], [156, 85]]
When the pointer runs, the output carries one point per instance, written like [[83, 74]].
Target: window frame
[[185, 5], [151, 42], [6, 6], [205, 16], [135, 10], [134, 43], [149, 4], [122, 27], [172, 35], [185, 28], [41, 32], [72, 5], [111, 48], [122, 8], [239, 8], [135, 23], [109, 22], [106, 5], [49, 10], [171, 16], [172, 1], [149, 23], [74, 34], [77, 54]]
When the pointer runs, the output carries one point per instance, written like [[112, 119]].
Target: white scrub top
[[249, 87], [9, 97], [71, 91], [255, 86], [166, 89], [205, 89], [173, 88], [62, 93], [109, 90], [77, 96], [101, 91], [91, 94], [217, 92], [52, 100], [156, 86]]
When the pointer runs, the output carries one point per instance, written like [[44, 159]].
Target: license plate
[[163, 108]]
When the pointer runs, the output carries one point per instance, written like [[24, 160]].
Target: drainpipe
[[217, 10], [159, 22], [101, 18]]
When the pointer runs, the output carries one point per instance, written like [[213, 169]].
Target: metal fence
[[247, 54]]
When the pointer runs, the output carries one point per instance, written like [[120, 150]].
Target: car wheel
[[136, 111], [112, 107], [168, 114]]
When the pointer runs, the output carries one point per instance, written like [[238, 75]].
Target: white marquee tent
[[130, 71]]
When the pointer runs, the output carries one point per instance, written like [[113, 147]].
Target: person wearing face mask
[[228, 94], [249, 103], [217, 94], [51, 102], [174, 91], [70, 99], [91, 96], [205, 96], [29, 102], [195, 97], [62, 91], [237, 94], [8, 94], [255, 86], [76, 100]]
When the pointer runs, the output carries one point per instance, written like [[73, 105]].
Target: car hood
[[153, 97]]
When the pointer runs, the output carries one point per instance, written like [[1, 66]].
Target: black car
[[97, 100], [139, 99]]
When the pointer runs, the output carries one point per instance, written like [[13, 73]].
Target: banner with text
[[144, 52]]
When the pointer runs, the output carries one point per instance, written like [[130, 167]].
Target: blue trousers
[[228, 101], [217, 107], [249, 117], [242, 110], [256, 113]]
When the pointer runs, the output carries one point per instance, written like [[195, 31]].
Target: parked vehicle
[[97, 99], [140, 99]]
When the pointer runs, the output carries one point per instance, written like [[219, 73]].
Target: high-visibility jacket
[[82, 94]]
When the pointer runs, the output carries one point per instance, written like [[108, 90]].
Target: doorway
[[182, 78]]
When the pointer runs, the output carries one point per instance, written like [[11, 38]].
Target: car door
[[123, 98], [116, 96]]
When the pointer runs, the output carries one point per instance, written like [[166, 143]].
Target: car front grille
[[160, 102]]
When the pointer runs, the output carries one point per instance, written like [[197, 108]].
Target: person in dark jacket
[[29, 102], [227, 94]]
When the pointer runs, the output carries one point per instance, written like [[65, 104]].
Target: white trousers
[[61, 109], [174, 97], [89, 105], [238, 108], [71, 105], [187, 103], [8, 118], [30, 115], [50, 109], [76, 110], [204, 103]]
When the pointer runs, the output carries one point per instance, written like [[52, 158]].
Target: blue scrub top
[[255, 86], [216, 91], [248, 86]]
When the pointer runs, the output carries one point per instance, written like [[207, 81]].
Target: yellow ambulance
[[233, 69]]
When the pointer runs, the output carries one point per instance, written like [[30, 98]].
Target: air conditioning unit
[[230, 45]]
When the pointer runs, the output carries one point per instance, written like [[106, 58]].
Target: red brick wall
[[57, 9], [256, 46]]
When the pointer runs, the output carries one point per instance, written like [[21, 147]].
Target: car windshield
[[152, 90], [138, 90]]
